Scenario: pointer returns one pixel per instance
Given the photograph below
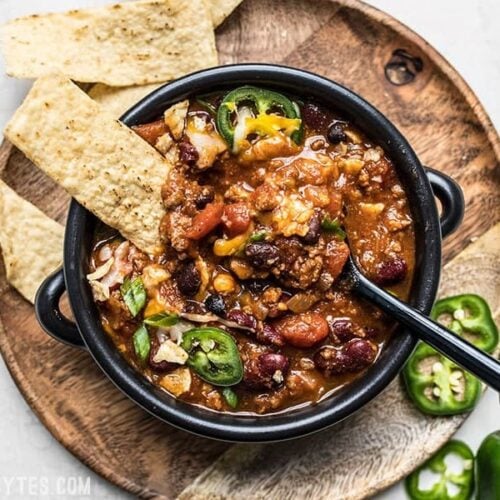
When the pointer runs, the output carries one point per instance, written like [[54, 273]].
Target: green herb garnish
[[258, 236], [142, 343], [134, 295], [230, 397], [162, 320], [333, 226]]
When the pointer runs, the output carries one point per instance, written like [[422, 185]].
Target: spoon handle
[[456, 348]]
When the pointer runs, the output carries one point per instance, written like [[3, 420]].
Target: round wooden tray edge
[[438, 59], [82, 454], [36, 404]]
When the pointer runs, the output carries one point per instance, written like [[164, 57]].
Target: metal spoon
[[448, 343]]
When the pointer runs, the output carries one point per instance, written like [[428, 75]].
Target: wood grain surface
[[351, 43]]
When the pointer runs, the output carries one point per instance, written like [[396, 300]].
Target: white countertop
[[31, 460]]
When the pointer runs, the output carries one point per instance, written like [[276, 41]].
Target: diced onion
[[101, 271]]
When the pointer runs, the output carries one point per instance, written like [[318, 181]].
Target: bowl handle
[[49, 315], [449, 193]]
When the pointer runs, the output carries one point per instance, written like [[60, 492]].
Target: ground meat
[[174, 227], [297, 268], [169, 295], [265, 197]]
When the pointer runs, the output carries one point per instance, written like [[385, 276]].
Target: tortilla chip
[[31, 242], [221, 9], [132, 43], [118, 100], [99, 161]]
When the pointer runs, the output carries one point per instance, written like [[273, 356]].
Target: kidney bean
[[336, 133], [151, 132], [262, 255], [188, 279], [158, 366], [216, 305], [359, 353], [391, 271], [236, 219], [269, 335], [314, 116], [242, 319], [351, 357], [337, 253], [314, 232], [265, 371], [341, 329], [205, 221], [188, 153], [303, 330]]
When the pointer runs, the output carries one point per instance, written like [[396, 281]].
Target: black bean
[[262, 255], [256, 285], [215, 304], [188, 279], [206, 196], [336, 133]]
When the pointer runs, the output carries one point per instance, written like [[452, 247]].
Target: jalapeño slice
[[213, 355], [249, 110]]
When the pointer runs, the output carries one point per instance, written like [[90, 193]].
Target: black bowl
[[89, 334]]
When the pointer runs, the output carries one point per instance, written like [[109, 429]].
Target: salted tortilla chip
[[99, 161], [31, 242], [221, 9], [121, 99], [132, 43], [117, 100]]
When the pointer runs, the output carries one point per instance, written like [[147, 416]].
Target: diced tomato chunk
[[236, 219], [151, 132], [303, 330], [337, 253], [205, 221]]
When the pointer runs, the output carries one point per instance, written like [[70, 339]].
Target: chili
[[462, 481], [213, 355]]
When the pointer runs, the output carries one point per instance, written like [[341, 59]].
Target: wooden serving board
[[355, 45]]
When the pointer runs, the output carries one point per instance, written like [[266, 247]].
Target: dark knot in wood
[[402, 67]]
